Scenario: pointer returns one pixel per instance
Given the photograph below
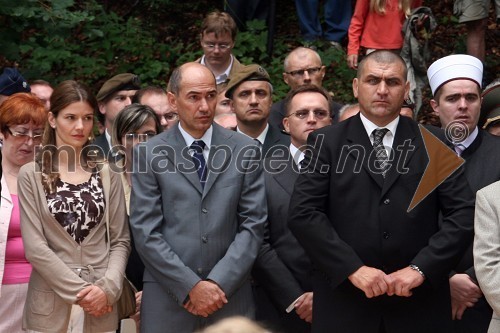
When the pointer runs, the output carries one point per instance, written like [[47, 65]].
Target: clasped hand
[[374, 282], [205, 298], [93, 300]]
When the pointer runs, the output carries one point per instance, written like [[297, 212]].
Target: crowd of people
[[215, 202]]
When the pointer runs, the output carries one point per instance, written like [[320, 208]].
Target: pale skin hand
[[352, 61], [205, 298], [403, 281], [464, 294], [373, 282], [94, 301], [304, 307]]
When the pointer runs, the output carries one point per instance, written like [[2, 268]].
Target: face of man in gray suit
[[193, 97]]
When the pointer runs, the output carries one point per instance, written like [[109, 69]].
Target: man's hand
[[352, 61], [464, 294], [205, 298], [403, 281], [304, 307], [94, 301], [372, 281]]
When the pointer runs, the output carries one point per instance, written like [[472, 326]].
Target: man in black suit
[[380, 267], [250, 90], [282, 267], [456, 86]]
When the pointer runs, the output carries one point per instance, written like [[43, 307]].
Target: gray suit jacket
[[185, 234], [486, 248]]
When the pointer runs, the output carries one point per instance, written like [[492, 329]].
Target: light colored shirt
[[207, 138], [388, 139], [222, 77], [297, 154], [261, 138]]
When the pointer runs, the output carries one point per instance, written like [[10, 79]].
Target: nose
[[462, 103], [253, 99], [310, 117], [203, 105], [382, 88], [163, 121], [307, 78], [79, 123], [128, 101]]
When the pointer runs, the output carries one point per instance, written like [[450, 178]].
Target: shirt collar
[[369, 126], [262, 136], [297, 154], [470, 139], [207, 137], [222, 77]]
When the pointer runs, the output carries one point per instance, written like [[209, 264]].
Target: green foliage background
[[94, 40]]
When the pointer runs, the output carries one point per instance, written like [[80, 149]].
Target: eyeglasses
[[300, 72], [170, 116], [143, 137], [222, 46], [37, 138], [303, 114]]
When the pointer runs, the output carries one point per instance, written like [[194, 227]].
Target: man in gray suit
[[456, 85], [198, 210]]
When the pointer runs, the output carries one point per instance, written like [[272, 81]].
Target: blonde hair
[[378, 6]]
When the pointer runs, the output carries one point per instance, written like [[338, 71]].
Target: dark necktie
[[199, 160], [380, 152]]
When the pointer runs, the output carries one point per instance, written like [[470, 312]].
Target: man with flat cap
[[455, 82], [11, 82], [198, 210], [381, 264], [114, 95], [251, 91]]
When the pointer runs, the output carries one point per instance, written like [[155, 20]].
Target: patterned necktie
[[459, 148], [199, 160], [380, 152]]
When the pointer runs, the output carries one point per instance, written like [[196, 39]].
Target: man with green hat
[[251, 91], [490, 108], [114, 95]]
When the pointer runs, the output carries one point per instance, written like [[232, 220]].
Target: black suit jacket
[[274, 139], [282, 267], [345, 216]]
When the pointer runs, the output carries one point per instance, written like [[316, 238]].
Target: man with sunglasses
[[282, 267], [302, 66], [218, 35]]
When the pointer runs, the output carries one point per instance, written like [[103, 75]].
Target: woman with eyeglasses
[[22, 119], [136, 123], [66, 197]]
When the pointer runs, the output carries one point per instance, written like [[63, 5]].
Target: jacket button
[[204, 210], [199, 270], [387, 201], [204, 239], [386, 235]]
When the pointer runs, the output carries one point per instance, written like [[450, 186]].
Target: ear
[[285, 78], [172, 100], [286, 125], [102, 108], [355, 87], [323, 71], [52, 120], [407, 89], [435, 106]]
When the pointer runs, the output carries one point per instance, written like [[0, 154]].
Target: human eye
[[301, 114], [261, 93], [244, 94], [471, 97], [299, 72], [193, 98], [320, 114], [452, 98], [224, 46], [393, 82], [212, 95], [312, 71]]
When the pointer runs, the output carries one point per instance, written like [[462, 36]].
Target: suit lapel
[[286, 175], [181, 160], [357, 135], [221, 150], [406, 133]]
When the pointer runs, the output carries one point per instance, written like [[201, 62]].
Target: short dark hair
[[130, 119], [384, 57], [304, 89]]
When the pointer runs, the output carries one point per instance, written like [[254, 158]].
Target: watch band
[[415, 268]]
